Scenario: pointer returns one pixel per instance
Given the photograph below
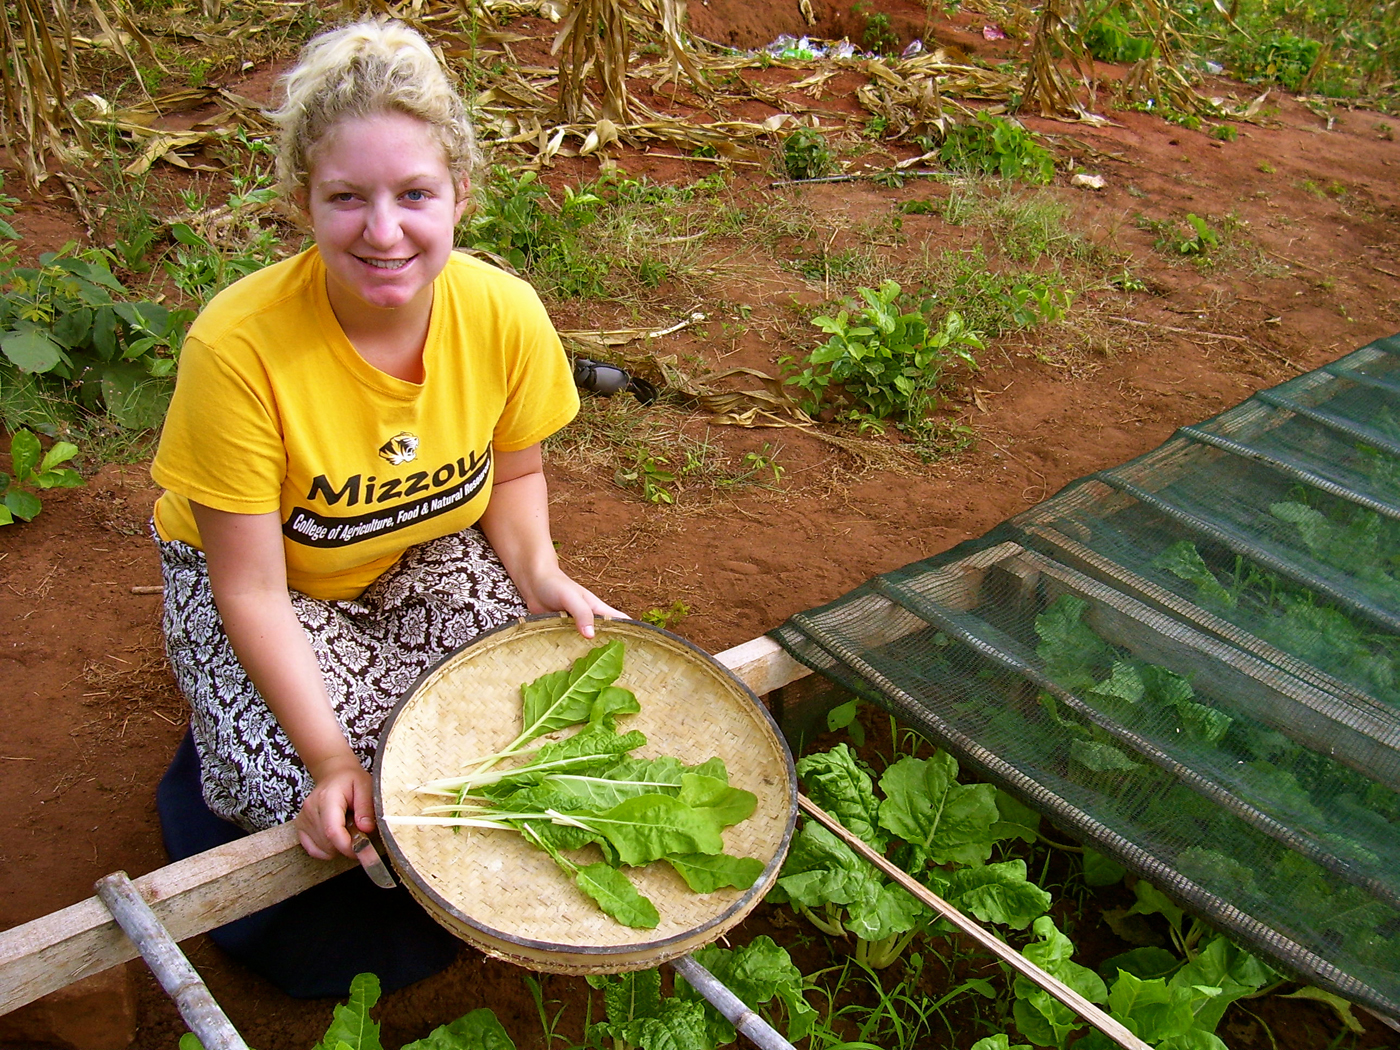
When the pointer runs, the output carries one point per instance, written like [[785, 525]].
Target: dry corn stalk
[[1047, 90]]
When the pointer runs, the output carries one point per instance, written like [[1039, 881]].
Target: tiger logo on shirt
[[400, 449]]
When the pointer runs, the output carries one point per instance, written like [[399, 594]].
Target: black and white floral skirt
[[438, 597]]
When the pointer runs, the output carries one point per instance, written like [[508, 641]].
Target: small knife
[[370, 860]]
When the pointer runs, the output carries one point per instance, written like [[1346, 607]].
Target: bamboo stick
[[1003, 951], [179, 979], [735, 1010]]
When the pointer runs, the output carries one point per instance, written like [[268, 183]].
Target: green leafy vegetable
[[587, 789]]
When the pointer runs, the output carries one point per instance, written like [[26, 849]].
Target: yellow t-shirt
[[275, 410]]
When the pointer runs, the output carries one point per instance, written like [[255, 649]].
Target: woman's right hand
[[344, 795]]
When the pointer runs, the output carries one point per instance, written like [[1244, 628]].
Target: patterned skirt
[[439, 596]]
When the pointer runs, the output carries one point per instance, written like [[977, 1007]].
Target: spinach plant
[[761, 974], [34, 468], [939, 830], [352, 1028]]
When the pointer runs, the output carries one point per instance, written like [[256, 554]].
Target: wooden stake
[[179, 979], [1003, 951]]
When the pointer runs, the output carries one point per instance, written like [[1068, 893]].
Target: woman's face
[[383, 206]]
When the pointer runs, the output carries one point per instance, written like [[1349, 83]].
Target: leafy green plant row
[[944, 833]]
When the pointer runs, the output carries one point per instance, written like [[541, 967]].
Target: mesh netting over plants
[[1192, 661]]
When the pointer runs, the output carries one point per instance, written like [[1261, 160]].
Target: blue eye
[[416, 195]]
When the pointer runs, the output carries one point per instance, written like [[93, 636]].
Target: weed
[[825, 266], [878, 35], [201, 269], [1224, 132], [649, 474], [1111, 39], [34, 469], [764, 461], [1126, 282], [1280, 57], [997, 146], [1266, 167], [920, 207], [806, 155], [666, 618], [1199, 241], [993, 302], [887, 363]]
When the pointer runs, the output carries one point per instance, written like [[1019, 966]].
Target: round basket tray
[[509, 899]]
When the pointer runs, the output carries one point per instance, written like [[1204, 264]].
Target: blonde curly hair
[[375, 65]]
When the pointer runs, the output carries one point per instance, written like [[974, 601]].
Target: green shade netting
[[1191, 661]]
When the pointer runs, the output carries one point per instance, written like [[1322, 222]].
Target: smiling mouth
[[385, 264]]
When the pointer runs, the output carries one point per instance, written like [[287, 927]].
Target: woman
[[352, 457]]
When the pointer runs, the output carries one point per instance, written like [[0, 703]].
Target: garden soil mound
[[91, 717]]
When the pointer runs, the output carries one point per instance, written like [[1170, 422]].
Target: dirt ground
[[90, 716]]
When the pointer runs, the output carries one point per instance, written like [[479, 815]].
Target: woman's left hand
[[557, 592]]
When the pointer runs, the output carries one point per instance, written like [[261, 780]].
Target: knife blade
[[370, 860]]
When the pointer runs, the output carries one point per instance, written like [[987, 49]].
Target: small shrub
[[997, 146], [882, 362], [69, 321], [34, 469], [806, 155], [1278, 57]]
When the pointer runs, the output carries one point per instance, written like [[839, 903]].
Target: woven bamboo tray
[[509, 899]]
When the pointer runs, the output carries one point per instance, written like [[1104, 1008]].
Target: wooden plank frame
[[202, 892]]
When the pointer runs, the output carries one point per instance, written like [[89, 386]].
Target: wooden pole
[[179, 979], [1003, 951]]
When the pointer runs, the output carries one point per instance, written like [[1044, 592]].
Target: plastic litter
[[598, 377]]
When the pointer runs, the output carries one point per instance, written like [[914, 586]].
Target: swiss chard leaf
[[648, 827], [996, 893], [351, 1024], [946, 822], [478, 1030], [1072, 652], [727, 805], [838, 785], [1220, 964], [614, 893], [705, 873], [564, 698], [820, 869], [757, 973]]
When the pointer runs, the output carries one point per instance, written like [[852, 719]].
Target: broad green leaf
[[616, 895], [1120, 691], [23, 504], [1144, 963], [890, 910], [7, 516], [24, 454], [59, 452], [190, 1041], [1015, 820], [757, 973], [1339, 1006], [132, 397], [351, 1024], [1152, 901], [1154, 1010], [948, 822], [728, 805], [821, 869], [32, 350], [1044, 1020], [62, 478], [1052, 953], [998, 893], [838, 785], [1000, 1041], [478, 1030], [1220, 964], [1100, 870], [630, 996], [1098, 757], [1184, 561], [705, 873], [648, 827], [1072, 652], [564, 698], [613, 701]]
